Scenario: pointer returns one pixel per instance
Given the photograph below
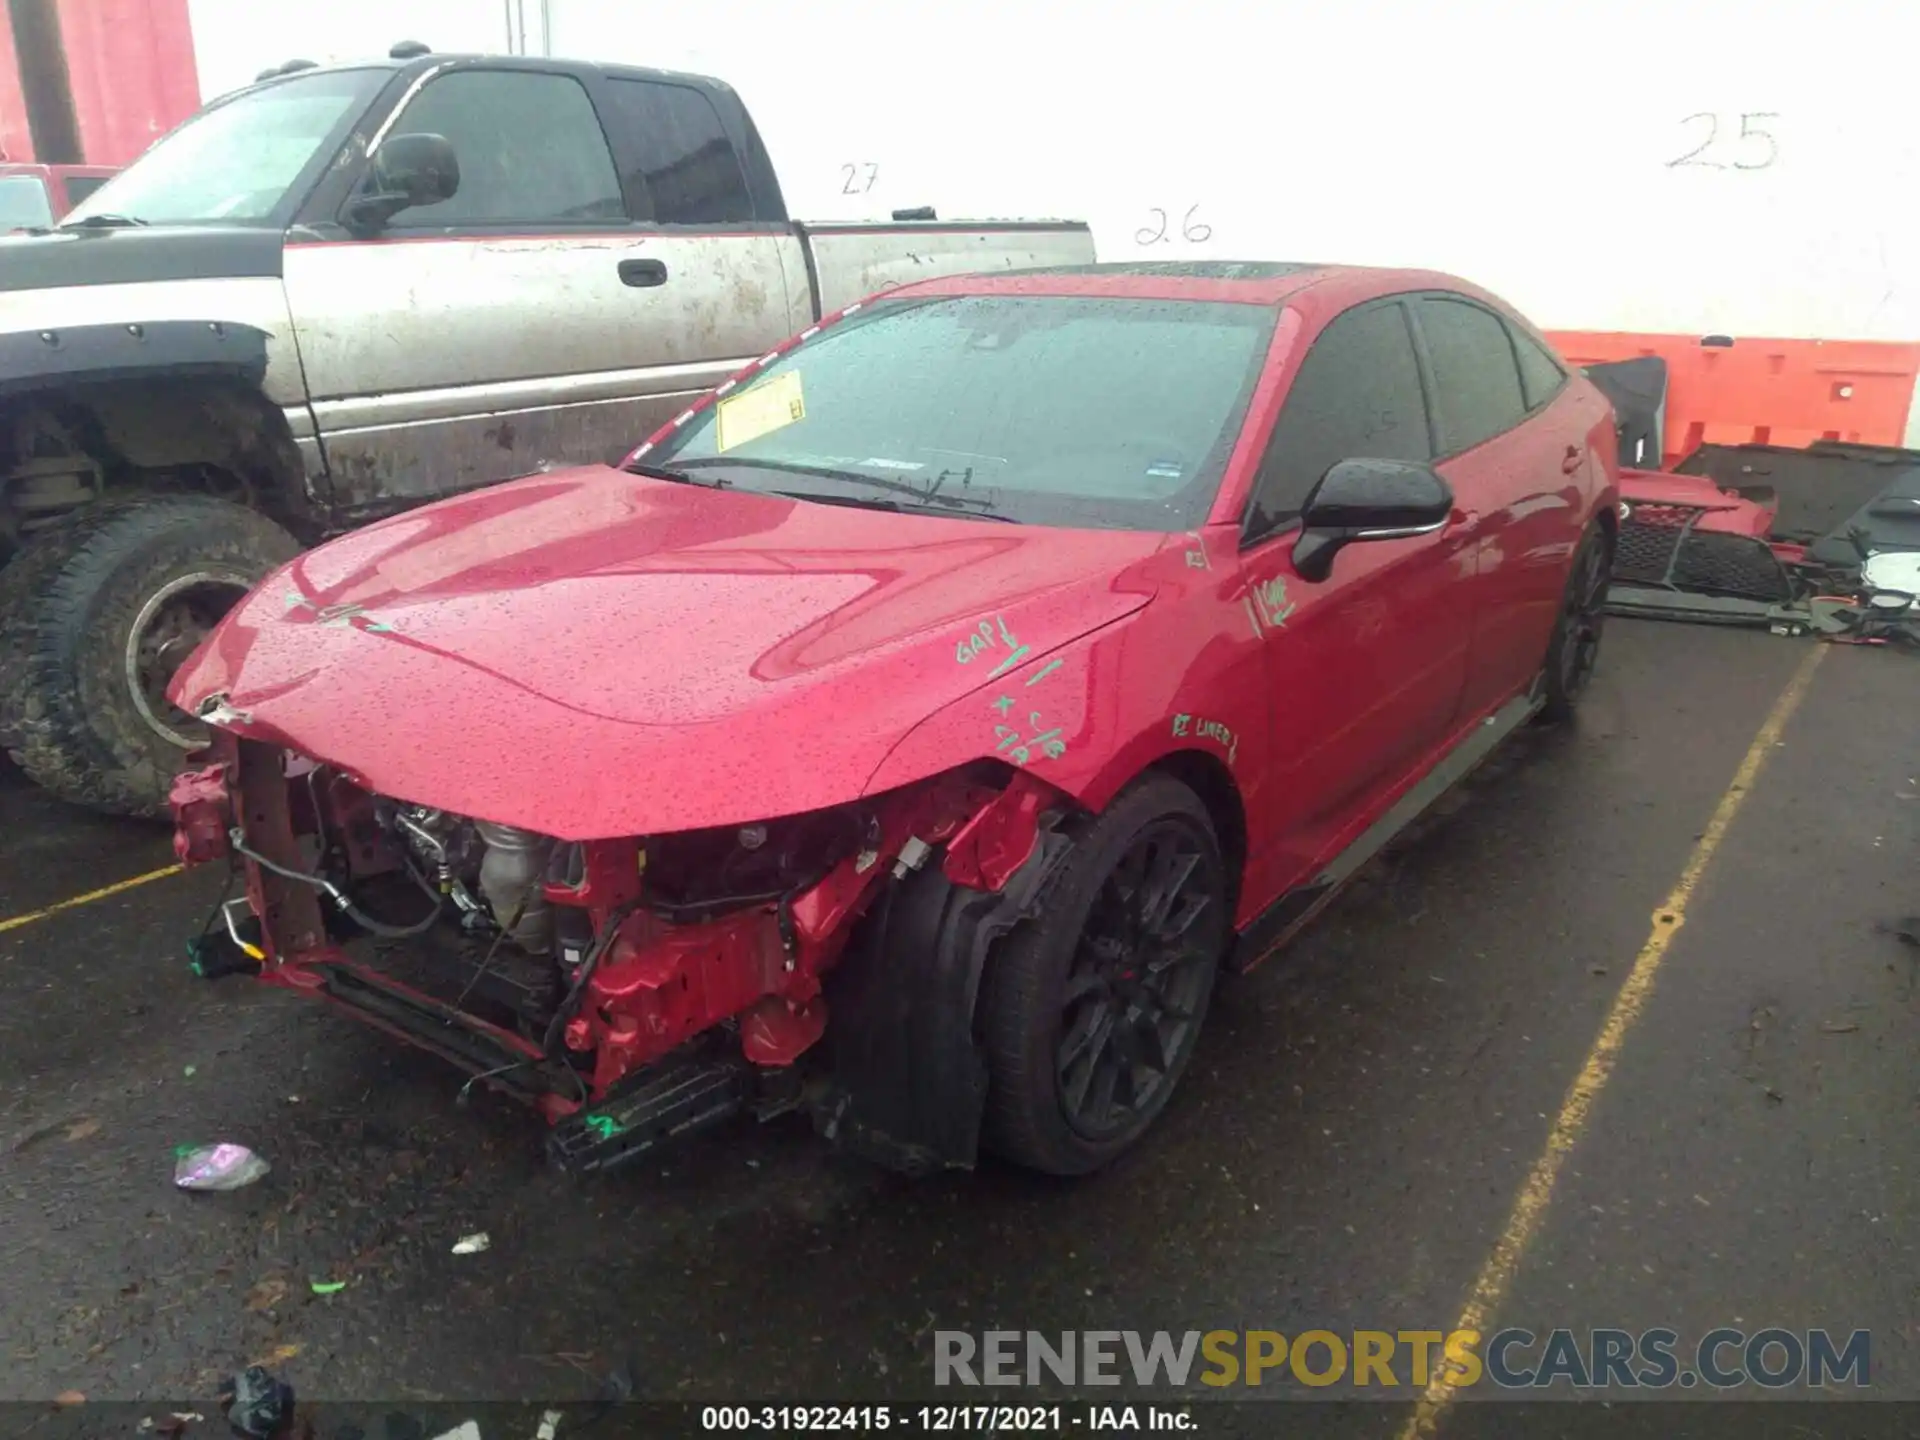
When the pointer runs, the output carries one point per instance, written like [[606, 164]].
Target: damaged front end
[[636, 989]]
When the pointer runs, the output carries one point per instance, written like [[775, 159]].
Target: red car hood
[[592, 653]]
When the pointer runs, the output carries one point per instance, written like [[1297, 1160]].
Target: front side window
[[236, 162], [1476, 380], [1052, 410], [1357, 396], [530, 148], [686, 162], [23, 203]]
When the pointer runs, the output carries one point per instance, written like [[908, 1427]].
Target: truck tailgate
[[849, 260]]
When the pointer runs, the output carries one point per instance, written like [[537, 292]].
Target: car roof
[[1247, 282]]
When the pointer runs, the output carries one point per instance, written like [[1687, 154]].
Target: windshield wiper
[[664, 472], [927, 496], [964, 512], [877, 502], [105, 220]]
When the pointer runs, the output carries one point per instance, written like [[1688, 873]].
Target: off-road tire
[[1582, 616], [68, 714], [1024, 991]]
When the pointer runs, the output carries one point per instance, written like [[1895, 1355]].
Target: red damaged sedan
[[910, 732]]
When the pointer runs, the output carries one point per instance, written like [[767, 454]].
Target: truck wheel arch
[[174, 406]]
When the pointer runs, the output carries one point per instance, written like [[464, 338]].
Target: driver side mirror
[[1360, 500], [407, 170]]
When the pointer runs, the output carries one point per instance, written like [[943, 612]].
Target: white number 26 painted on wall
[[1193, 229]]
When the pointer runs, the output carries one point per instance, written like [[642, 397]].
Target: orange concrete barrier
[[1767, 392]]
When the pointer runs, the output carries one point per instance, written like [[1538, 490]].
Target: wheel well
[[62, 449], [1208, 777]]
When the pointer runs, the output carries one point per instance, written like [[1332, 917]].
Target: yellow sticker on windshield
[[759, 410]]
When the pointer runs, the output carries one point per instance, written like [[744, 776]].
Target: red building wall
[[130, 76], [130, 64], [15, 142]]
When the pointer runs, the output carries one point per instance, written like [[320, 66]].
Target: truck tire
[[97, 614], [1108, 989]]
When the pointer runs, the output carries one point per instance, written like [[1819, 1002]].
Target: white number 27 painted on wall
[[1754, 140]]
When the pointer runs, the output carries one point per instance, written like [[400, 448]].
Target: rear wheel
[[1574, 650], [98, 614], [1091, 1014]]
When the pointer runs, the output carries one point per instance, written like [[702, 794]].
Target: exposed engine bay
[[630, 989], [496, 877]]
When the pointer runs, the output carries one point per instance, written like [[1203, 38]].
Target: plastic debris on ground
[[174, 1425], [259, 1405], [216, 1167], [472, 1244], [327, 1287]]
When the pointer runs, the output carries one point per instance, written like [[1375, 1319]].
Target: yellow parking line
[[87, 899], [1530, 1208]]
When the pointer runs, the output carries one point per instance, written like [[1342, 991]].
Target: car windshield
[[235, 161], [1051, 410], [23, 203]]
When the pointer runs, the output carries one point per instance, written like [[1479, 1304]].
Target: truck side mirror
[[407, 170]]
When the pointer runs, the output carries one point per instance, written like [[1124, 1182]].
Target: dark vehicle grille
[[1659, 546]]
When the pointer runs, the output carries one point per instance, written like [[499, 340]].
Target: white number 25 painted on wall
[[1758, 149]]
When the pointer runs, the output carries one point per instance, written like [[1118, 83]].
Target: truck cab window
[[1357, 397], [23, 203], [530, 147], [80, 187], [685, 161]]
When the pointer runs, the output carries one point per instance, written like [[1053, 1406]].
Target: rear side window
[[685, 160], [79, 187], [1540, 374], [1476, 380], [1357, 396], [530, 147]]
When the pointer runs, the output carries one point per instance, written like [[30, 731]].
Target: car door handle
[[643, 274], [1570, 461]]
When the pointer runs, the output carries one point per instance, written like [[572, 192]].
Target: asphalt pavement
[[1351, 1150]]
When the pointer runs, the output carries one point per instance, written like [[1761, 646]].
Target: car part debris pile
[[1823, 541]]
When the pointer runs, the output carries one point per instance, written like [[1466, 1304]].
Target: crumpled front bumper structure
[[1759, 535]]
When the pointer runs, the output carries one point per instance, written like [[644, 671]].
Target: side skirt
[[1283, 919]]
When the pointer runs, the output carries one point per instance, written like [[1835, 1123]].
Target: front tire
[[1574, 651], [1091, 1013], [99, 612]]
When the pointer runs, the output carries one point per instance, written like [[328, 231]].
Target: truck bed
[[849, 259]]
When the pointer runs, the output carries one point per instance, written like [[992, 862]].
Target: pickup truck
[[32, 196], [345, 291]]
